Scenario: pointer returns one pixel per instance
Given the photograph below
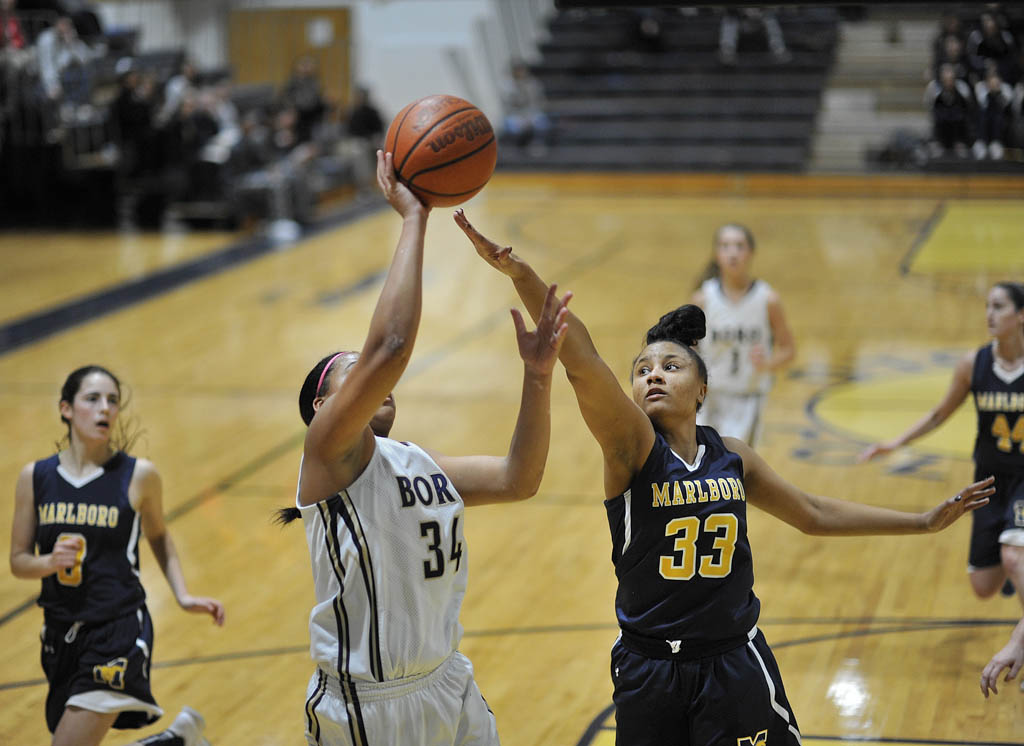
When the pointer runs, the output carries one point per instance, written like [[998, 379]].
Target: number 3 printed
[[72, 576]]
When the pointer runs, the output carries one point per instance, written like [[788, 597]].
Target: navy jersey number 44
[[680, 550]]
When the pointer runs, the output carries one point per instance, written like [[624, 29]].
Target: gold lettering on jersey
[[1000, 401], [737, 489], [723, 487], [696, 491], [79, 514], [713, 495]]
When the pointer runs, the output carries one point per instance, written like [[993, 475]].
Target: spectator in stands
[[951, 53], [364, 128], [12, 35], [994, 97], [185, 83], [65, 66], [951, 106], [991, 42], [526, 122], [132, 114], [85, 18], [304, 94], [949, 26], [650, 33], [737, 21], [271, 168], [217, 101]]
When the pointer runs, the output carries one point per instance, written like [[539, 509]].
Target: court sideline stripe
[[42, 324]]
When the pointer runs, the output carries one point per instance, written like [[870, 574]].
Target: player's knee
[[1013, 560], [985, 586]]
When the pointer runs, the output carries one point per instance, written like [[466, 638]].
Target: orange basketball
[[444, 149]]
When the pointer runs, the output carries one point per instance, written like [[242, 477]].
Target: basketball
[[444, 149]]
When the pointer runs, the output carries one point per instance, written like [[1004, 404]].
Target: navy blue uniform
[[999, 452], [97, 636], [690, 666]]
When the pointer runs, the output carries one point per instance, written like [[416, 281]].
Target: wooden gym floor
[[879, 640]]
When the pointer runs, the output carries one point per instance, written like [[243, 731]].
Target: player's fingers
[[547, 311], [1015, 669], [559, 336], [517, 319]]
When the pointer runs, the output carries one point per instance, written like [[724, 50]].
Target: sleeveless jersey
[[389, 568], [999, 401], [105, 584], [680, 550], [733, 328]]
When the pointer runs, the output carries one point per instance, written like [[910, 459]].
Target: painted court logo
[[761, 739]]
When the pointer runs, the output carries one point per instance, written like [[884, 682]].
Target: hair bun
[[686, 325]]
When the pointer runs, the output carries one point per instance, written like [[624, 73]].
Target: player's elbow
[[521, 487]]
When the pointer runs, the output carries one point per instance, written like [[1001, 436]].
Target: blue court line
[[922, 237], [35, 327]]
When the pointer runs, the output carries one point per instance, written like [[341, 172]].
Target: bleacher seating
[[619, 100]]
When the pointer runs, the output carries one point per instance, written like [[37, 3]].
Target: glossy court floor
[[879, 640]]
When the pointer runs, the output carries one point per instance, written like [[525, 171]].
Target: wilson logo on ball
[[469, 131]]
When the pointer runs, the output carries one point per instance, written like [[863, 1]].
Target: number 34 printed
[[434, 566]]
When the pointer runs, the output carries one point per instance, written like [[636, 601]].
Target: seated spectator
[[185, 83], [952, 106], [365, 130], [991, 42], [950, 25], [65, 66], [12, 35], [951, 53], [85, 18], [737, 21], [272, 169], [526, 123], [132, 114], [14, 56], [994, 97], [304, 94]]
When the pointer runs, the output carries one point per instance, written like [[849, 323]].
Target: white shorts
[[440, 708], [733, 415]]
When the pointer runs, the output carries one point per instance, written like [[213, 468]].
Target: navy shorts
[[1005, 511], [102, 667], [731, 699]]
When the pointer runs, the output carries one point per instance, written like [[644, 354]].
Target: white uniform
[[389, 569], [735, 388]]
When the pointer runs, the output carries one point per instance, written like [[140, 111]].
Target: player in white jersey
[[747, 337], [384, 523]]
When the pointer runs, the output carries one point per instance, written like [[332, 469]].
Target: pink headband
[[323, 374]]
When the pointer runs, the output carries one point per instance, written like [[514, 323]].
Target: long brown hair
[[712, 270]]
